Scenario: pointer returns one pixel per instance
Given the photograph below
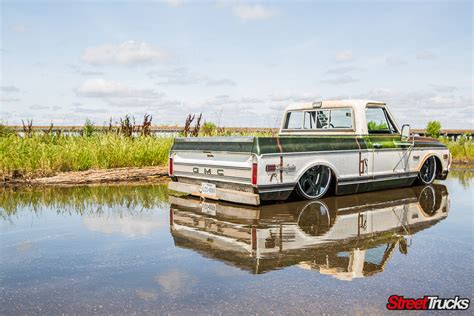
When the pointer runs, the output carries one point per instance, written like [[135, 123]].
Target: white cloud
[[8, 100], [425, 55], [128, 225], [341, 70], [174, 3], [395, 61], [344, 56], [102, 88], [443, 88], [127, 53], [9, 89], [175, 282], [253, 11], [182, 76], [18, 28], [340, 80]]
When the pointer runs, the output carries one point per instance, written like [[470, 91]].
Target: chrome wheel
[[428, 171], [314, 183]]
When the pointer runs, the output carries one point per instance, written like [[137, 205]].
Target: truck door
[[384, 142]]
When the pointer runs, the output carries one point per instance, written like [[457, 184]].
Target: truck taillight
[[170, 166], [254, 173]]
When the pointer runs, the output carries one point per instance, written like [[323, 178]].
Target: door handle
[[377, 145]]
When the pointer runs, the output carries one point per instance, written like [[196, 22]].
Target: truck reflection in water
[[346, 237]]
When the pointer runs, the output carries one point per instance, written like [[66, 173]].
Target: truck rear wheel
[[314, 183]]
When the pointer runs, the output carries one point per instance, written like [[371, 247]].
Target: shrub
[[433, 129]]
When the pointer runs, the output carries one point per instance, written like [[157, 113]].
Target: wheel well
[[439, 167], [333, 183]]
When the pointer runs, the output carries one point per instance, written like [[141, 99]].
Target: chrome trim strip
[[349, 151], [410, 175], [177, 163], [242, 139]]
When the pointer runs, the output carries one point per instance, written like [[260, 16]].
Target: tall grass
[[462, 150], [43, 155]]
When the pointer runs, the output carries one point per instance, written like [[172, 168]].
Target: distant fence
[[163, 129]]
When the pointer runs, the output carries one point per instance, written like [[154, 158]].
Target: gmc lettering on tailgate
[[219, 172]]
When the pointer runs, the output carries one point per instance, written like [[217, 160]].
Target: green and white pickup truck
[[343, 146]]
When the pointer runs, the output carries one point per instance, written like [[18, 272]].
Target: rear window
[[328, 119]]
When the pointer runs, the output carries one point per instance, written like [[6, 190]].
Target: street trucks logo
[[396, 302]]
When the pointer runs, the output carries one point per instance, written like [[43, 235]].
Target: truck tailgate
[[214, 159]]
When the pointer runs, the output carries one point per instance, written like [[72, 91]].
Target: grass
[[44, 155], [462, 150]]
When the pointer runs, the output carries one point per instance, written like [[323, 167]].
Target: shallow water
[[124, 249]]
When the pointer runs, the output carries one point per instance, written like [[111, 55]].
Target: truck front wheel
[[314, 183], [427, 172]]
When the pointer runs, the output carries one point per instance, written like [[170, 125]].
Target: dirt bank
[[116, 175]]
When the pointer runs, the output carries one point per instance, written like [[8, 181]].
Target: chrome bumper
[[221, 194]]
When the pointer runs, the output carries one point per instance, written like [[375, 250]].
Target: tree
[[88, 129], [433, 129]]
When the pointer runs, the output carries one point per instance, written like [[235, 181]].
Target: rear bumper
[[221, 194]]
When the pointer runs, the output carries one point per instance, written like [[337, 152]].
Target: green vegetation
[[433, 129], [88, 128], [84, 200], [374, 126], [44, 155], [461, 149]]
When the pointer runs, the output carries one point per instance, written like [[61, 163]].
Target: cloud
[[8, 100], [9, 89], [175, 282], [220, 82], [425, 55], [294, 97], [395, 61], [174, 3], [128, 225], [344, 56], [127, 53], [38, 107], [183, 76], [341, 70], [346, 79], [253, 11], [100, 88], [92, 73], [443, 88], [430, 104], [18, 28]]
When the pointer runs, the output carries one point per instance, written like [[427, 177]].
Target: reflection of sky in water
[[124, 259]]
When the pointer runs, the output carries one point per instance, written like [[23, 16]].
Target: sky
[[238, 62]]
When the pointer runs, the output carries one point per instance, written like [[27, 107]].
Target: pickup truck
[[338, 146]]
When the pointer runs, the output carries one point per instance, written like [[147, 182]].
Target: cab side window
[[378, 121]]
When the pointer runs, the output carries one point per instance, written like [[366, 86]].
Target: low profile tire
[[314, 183], [427, 172]]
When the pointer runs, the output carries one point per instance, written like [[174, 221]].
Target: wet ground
[[125, 249]]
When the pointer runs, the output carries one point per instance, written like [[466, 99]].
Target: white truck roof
[[357, 105]]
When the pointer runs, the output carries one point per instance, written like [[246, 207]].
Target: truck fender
[[316, 163]]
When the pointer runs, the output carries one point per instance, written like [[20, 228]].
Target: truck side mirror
[[405, 132]]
